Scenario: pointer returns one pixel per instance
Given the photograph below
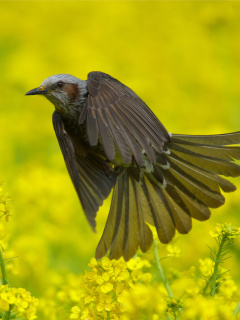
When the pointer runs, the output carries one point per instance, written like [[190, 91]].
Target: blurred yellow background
[[182, 58]]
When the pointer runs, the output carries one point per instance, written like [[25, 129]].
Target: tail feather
[[226, 139], [202, 178], [126, 240], [116, 250], [125, 228], [218, 152], [193, 189], [131, 240], [197, 209], [112, 223], [184, 183], [182, 218], [144, 232], [159, 211], [211, 164], [213, 181]]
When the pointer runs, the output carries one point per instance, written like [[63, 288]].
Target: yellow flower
[[206, 267], [216, 231], [100, 307], [84, 314], [9, 297], [21, 301], [103, 289], [105, 276], [4, 305], [226, 230], [106, 263], [144, 300], [93, 263], [173, 251], [99, 280], [146, 277], [88, 299], [138, 263], [123, 275], [206, 308], [108, 307], [31, 313], [228, 289], [5, 208], [107, 287], [75, 309]]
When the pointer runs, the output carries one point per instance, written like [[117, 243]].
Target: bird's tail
[[184, 183]]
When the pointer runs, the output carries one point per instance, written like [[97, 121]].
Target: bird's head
[[66, 92]]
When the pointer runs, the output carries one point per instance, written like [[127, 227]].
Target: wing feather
[[142, 125], [105, 136], [90, 181], [138, 134], [118, 137], [130, 139], [92, 127], [137, 127]]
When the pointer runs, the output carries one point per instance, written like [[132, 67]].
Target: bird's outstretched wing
[[121, 119], [185, 183], [91, 182]]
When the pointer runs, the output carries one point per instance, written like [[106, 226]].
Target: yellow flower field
[[183, 59]]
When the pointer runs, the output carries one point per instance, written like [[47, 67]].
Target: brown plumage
[[72, 90], [110, 139]]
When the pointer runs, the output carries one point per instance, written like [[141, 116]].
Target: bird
[[112, 141]]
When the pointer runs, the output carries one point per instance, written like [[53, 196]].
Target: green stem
[[206, 287], [108, 315], [4, 274], [215, 271], [237, 309], [161, 272], [7, 314]]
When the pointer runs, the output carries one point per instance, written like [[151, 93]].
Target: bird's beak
[[39, 90]]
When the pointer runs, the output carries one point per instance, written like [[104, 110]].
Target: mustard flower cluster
[[214, 294], [145, 301], [173, 251], [14, 302], [138, 289], [196, 302], [227, 288], [207, 308], [225, 230], [116, 290], [18, 301], [227, 292], [103, 289]]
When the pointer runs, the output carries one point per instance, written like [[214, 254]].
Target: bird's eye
[[60, 84]]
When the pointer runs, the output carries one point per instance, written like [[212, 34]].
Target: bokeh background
[[182, 58]]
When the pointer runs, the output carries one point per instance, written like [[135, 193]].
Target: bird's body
[[110, 139]]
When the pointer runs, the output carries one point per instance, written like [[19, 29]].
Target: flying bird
[[110, 139]]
